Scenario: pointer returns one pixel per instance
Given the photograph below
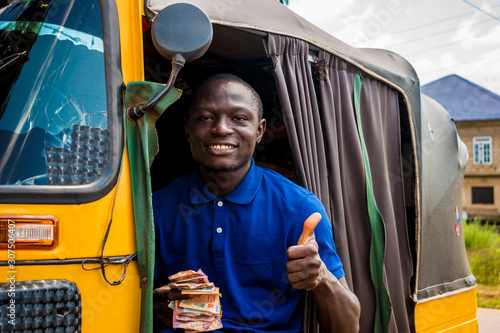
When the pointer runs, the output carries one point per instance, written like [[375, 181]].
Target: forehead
[[224, 93]]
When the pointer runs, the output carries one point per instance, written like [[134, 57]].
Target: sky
[[438, 37]]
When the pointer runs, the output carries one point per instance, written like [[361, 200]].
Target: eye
[[239, 118], [205, 118]]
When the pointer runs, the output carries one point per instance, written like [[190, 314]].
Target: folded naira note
[[202, 312]]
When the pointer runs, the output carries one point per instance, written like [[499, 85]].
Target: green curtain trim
[[142, 146], [383, 306]]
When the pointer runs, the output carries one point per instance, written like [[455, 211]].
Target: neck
[[223, 182]]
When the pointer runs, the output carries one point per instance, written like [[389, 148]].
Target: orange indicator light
[[27, 231]]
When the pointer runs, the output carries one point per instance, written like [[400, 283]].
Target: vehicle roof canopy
[[273, 17]]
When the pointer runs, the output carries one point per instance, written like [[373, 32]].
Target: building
[[476, 112]]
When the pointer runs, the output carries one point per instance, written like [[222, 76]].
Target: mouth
[[219, 147]]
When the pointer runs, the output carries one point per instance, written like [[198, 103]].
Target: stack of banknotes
[[202, 311]]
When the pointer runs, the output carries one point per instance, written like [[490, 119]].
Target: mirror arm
[[136, 112]]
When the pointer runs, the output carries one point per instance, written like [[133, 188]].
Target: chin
[[222, 167]]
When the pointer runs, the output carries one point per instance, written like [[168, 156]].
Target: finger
[[303, 285], [167, 293], [303, 264], [162, 292], [302, 280], [305, 275], [296, 276], [302, 251], [309, 225]]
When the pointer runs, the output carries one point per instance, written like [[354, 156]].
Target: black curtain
[[327, 156]]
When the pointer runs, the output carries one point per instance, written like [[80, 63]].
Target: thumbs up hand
[[305, 267]]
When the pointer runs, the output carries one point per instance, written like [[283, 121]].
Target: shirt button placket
[[220, 203], [218, 238]]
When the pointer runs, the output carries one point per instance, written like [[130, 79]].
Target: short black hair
[[231, 77]]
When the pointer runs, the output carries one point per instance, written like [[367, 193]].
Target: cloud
[[448, 59], [490, 80], [423, 66], [358, 23], [432, 68], [484, 37], [323, 13]]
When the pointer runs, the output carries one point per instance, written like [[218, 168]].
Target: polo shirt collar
[[242, 194]]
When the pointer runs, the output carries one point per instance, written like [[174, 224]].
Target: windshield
[[53, 108]]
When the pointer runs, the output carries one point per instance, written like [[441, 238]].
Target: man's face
[[224, 127]]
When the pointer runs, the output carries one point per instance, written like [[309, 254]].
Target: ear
[[261, 129], [186, 128]]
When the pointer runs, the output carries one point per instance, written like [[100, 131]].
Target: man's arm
[[338, 308]]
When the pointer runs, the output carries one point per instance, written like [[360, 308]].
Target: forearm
[[338, 308]]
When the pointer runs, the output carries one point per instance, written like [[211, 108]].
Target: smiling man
[[240, 224]]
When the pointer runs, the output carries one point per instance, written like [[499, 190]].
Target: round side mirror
[[182, 30]]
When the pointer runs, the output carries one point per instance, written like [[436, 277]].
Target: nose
[[221, 127]]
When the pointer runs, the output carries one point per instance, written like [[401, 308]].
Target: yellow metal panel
[[105, 308], [455, 313], [82, 227], [130, 18]]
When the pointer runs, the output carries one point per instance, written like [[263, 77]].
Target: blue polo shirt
[[240, 242]]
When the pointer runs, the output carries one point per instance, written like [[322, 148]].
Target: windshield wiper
[[13, 60]]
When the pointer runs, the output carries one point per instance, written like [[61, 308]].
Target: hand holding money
[[161, 297], [200, 310]]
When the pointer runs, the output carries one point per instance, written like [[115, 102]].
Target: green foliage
[[488, 297], [479, 236], [485, 265], [483, 251], [488, 302]]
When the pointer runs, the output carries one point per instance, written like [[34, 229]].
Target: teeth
[[221, 147]]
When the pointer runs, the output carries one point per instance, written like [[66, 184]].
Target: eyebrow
[[233, 109]]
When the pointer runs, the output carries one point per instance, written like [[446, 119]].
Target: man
[[240, 224]]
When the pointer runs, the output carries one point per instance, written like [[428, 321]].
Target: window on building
[[482, 150], [482, 195]]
